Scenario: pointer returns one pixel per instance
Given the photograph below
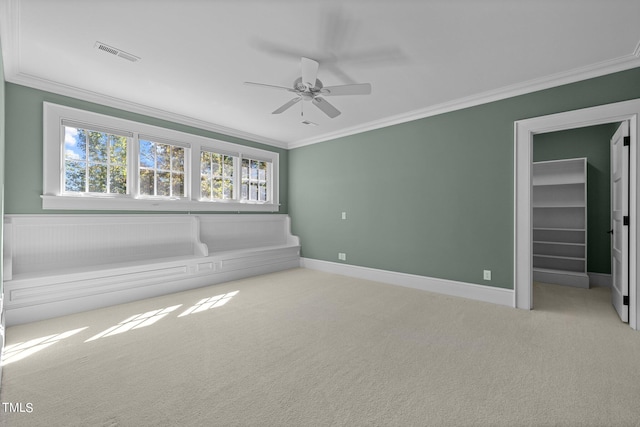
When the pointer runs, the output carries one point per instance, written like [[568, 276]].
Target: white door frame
[[524, 130]]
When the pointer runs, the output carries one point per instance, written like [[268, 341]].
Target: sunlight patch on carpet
[[207, 303], [13, 353], [135, 322]]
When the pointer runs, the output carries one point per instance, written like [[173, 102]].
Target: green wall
[[593, 143], [432, 197], [24, 145]]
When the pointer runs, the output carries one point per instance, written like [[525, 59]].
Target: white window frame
[[78, 125], [250, 159], [236, 157], [187, 167], [54, 197]]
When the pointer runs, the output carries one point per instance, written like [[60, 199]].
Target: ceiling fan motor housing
[[301, 87]]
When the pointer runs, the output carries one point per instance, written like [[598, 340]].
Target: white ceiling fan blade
[[309, 71], [356, 89], [287, 105], [326, 108], [269, 86]]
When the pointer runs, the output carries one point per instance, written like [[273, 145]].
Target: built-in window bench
[[61, 264]]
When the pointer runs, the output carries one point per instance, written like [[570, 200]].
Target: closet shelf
[[559, 243], [576, 182], [570, 258], [559, 229], [558, 205], [551, 270], [559, 208]]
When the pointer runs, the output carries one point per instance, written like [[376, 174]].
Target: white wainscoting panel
[[48, 243], [62, 264], [2, 333], [232, 232], [447, 287]]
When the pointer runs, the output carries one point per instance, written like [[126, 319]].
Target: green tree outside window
[[94, 162]]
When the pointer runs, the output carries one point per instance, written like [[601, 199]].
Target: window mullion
[[62, 156], [86, 161], [270, 181], [195, 177], [170, 171], [108, 177], [237, 170], [155, 169], [210, 177], [133, 166]]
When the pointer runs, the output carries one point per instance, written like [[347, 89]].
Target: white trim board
[[2, 333], [596, 70], [84, 262], [10, 37], [626, 62], [430, 284], [524, 131], [599, 279], [130, 287]]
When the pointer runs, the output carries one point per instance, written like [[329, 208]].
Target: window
[[161, 171], [254, 180], [93, 161], [216, 176]]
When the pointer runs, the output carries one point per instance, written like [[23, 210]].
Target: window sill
[[105, 203]]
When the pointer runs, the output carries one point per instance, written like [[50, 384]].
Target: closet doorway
[[525, 130], [574, 217]]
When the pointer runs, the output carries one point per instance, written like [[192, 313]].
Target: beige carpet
[[305, 348]]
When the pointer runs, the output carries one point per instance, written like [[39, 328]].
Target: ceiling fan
[[308, 87]]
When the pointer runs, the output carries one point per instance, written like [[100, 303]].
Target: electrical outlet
[[342, 256], [344, 215], [487, 274]]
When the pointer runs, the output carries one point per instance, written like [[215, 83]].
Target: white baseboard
[[442, 286], [599, 279], [58, 303], [561, 277]]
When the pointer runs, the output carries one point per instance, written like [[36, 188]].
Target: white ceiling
[[421, 57]]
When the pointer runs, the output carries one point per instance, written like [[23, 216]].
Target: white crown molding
[[596, 70], [89, 96], [9, 36], [583, 73]]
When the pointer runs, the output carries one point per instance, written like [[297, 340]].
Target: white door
[[620, 221]]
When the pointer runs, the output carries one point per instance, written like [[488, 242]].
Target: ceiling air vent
[[117, 52]]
